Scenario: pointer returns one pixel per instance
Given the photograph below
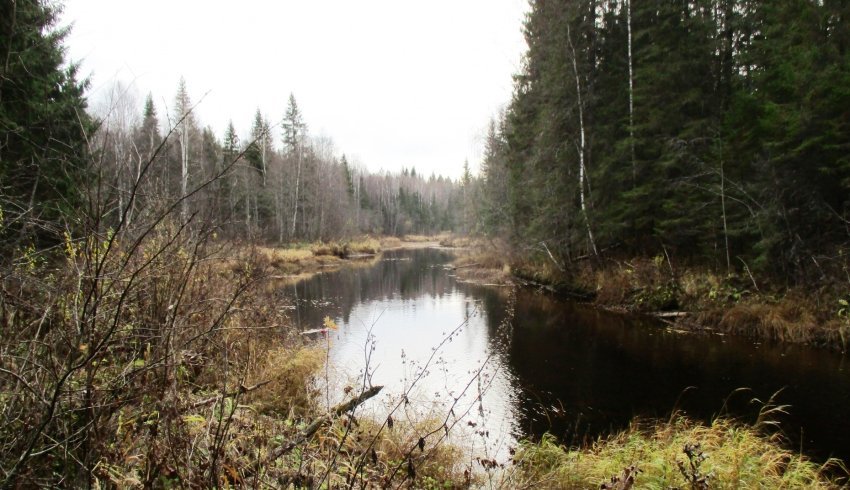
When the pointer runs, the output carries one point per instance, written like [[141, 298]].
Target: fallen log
[[314, 426], [528, 282], [671, 314]]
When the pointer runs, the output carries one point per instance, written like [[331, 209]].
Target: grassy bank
[[167, 360], [675, 454], [300, 260], [730, 303], [694, 298]]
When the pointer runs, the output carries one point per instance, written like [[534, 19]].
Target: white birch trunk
[[264, 158], [119, 173], [357, 206], [297, 185], [582, 171], [184, 171], [281, 225], [723, 211], [247, 211]]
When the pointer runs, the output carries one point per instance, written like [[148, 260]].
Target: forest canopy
[[717, 130]]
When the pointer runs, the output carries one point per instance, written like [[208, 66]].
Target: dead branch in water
[[314, 426]]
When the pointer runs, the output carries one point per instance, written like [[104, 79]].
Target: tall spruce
[[44, 159], [259, 148], [294, 133], [186, 129], [715, 130]]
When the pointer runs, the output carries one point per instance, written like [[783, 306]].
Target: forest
[[278, 185], [716, 131], [689, 159]]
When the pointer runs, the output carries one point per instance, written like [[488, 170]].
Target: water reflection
[[555, 366], [413, 324]]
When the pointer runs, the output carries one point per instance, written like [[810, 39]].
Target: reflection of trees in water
[[580, 372], [586, 372], [406, 274]]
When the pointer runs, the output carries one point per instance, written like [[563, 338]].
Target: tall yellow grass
[[739, 456]]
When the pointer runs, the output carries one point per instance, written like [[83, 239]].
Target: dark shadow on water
[[570, 369]]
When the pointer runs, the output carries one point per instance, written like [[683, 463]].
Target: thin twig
[[241, 390], [314, 426]]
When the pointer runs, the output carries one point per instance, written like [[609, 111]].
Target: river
[[502, 364]]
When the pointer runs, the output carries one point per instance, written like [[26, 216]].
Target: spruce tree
[[187, 136], [147, 137], [259, 148], [43, 151], [294, 132], [349, 182]]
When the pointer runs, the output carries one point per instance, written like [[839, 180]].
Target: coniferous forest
[[174, 297], [717, 130]]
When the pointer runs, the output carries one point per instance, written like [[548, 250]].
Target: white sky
[[393, 82]]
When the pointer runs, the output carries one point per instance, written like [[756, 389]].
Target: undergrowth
[[696, 297], [159, 360], [680, 453], [164, 358]]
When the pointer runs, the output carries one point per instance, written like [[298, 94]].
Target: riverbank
[[687, 298], [544, 463], [196, 376], [299, 261], [171, 361]]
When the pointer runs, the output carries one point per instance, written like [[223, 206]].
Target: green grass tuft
[[737, 456]]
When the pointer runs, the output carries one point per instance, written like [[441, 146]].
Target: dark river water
[[521, 363]]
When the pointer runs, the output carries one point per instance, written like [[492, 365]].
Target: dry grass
[[297, 260], [455, 241], [291, 390], [425, 238], [484, 264], [300, 258], [728, 303], [381, 457], [739, 456], [390, 242], [639, 284], [789, 319], [343, 249], [279, 256], [365, 245]]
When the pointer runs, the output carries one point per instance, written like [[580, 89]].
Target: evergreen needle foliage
[[714, 131]]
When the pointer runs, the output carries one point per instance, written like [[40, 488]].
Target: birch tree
[[119, 116], [582, 179]]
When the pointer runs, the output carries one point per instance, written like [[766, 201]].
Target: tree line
[[280, 184], [126, 326], [713, 130], [63, 162]]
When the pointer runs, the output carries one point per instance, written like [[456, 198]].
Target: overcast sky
[[394, 83]]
